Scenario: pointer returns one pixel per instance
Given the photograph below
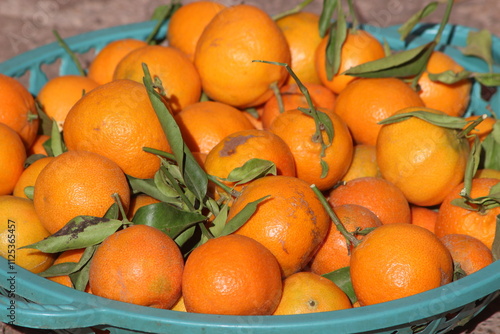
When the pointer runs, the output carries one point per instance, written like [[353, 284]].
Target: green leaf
[[407, 63], [148, 187], [167, 218], [45, 121], [163, 185], [480, 44], [338, 35], [251, 170], [219, 222], [406, 28], [194, 176], [241, 217], [325, 18], [161, 14], [80, 232], [184, 239], [446, 121], [68, 268], [496, 241], [80, 278], [488, 79], [113, 212], [491, 148], [57, 146], [472, 165], [342, 278], [450, 77], [70, 52], [29, 192]]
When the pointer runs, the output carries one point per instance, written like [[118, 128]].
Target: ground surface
[[27, 24]]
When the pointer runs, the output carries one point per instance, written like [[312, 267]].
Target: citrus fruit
[[232, 275], [291, 222], [29, 176], [422, 147], [376, 194], [139, 265], [18, 109], [69, 256], [117, 121], [37, 146], [470, 253], [138, 201], [235, 37], [20, 226], [368, 101], [424, 217], [78, 183], [306, 292], [12, 157], [487, 173], [364, 163], [398, 260]]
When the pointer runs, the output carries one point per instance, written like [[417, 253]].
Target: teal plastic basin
[[32, 301]]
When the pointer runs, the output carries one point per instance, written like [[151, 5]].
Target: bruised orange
[[470, 253]]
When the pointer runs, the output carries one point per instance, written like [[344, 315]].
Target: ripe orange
[[421, 147], [368, 101], [423, 217], [292, 98], [334, 253], [188, 22], [298, 129], [20, 226], [224, 56], [452, 99], [29, 176], [177, 73], [481, 224], [483, 129], [61, 93], [77, 183], [18, 109], [306, 292], [204, 124], [117, 121], [236, 149], [364, 163], [232, 275], [73, 255], [302, 34], [179, 305], [139, 265], [291, 223], [470, 253], [396, 261], [137, 202], [37, 146], [488, 173], [12, 157], [102, 66], [375, 193], [358, 48]]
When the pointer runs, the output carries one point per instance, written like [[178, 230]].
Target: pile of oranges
[[226, 171]]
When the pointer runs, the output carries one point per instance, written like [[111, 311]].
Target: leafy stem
[[70, 52], [294, 10]]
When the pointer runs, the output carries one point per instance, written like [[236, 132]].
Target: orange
[[232, 275], [423, 217], [29, 176], [103, 65], [422, 147], [18, 109], [204, 124], [177, 73], [359, 47], [224, 56], [302, 34], [139, 265], [306, 292], [137, 202], [488, 173], [396, 261], [12, 157], [291, 222], [179, 305], [292, 98], [78, 183], [20, 226], [117, 121], [298, 129], [238, 148], [334, 253], [368, 101], [37, 146], [480, 224], [188, 22], [72, 255], [469, 253], [375, 193], [364, 163], [61, 93], [452, 99], [483, 129]]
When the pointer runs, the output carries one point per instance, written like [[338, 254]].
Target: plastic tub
[[31, 301]]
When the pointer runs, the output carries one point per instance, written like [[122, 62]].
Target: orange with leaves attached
[[469, 253]]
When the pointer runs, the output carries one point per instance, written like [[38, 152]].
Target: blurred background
[[28, 24]]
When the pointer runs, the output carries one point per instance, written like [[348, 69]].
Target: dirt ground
[[28, 24]]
